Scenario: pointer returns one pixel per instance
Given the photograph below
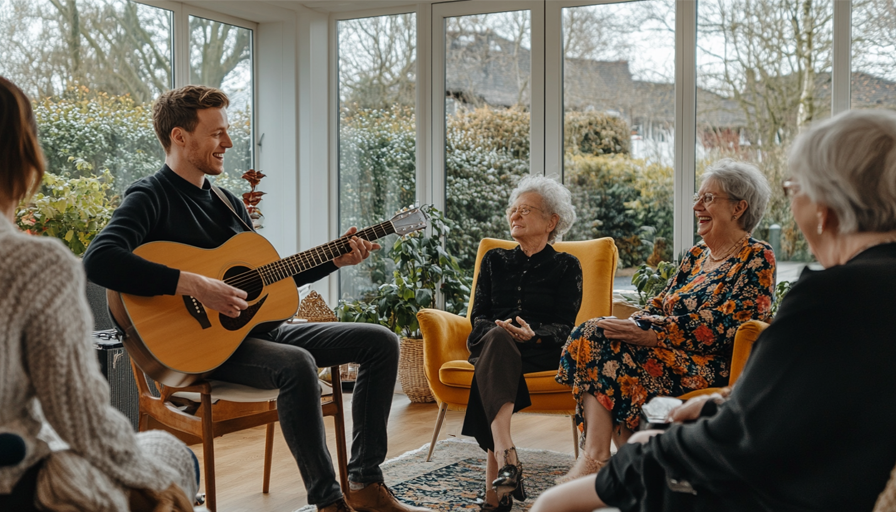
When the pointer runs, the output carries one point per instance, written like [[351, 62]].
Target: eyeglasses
[[791, 187], [523, 209], [707, 198]]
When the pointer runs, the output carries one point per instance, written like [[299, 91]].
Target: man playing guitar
[[177, 204]]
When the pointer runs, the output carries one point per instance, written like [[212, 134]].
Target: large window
[[763, 75], [487, 93], [377, 133], [619, 119], [221, 56], [93, 68], [873, 77]]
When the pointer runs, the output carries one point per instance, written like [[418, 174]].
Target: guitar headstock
[[409, 220]]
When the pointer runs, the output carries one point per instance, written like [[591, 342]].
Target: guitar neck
[[297, 263]]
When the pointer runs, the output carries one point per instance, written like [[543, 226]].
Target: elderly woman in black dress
[[809, 425], [526, 303]]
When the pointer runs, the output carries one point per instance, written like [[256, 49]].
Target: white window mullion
[[842, 67], [553, 90], [685, 121], [181, 46], [423, 109], [537, 104], [437, 102]]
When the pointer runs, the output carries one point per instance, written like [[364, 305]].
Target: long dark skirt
[[498, 380]]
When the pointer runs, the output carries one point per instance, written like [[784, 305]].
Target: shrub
[[73, 210], [83, 132], [596, 133]]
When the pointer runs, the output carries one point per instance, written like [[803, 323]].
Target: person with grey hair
[[525, 305], [781, 439], [682, 341]]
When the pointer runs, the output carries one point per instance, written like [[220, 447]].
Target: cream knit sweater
[[49, 374]]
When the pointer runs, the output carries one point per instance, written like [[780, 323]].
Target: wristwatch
[[643, 324]]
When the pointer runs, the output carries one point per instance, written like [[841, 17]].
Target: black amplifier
[[116, 367]]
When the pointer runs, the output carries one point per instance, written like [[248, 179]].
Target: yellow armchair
[[444, 336]]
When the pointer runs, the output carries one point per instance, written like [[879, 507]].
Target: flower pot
[[410, 371]]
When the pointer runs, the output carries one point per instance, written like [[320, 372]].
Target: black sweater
[[545, 290], [165, 207], [810, 424]]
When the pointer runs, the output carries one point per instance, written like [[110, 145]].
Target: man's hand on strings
[[360, 250]]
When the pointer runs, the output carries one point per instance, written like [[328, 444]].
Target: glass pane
[[487, 70], [92, 68], [377, 134], [221, 56], [873, 54], [619, 120], [763, 74]]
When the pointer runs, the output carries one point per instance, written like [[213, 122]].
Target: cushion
[[459, 374]]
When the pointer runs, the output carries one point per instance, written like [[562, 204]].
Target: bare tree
[[377, 60], [216, 50], [771, 57]]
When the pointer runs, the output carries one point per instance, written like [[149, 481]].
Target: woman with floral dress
[[682, 340]]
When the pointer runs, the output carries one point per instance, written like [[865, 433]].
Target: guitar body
[[174, 338]]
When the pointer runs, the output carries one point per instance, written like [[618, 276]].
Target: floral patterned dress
[[695, 318]]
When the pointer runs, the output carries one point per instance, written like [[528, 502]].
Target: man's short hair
[[177, 109]]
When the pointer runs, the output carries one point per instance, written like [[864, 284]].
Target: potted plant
[[422, 267], [649, 282]]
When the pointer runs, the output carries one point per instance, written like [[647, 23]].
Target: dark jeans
[[288, 359]]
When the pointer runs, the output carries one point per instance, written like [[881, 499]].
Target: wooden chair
[[444, 337], [224, 408]]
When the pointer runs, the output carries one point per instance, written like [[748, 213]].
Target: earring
[[734, 217], [820, 228]]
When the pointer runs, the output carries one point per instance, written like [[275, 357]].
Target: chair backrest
[[598, 259], [744, 338]]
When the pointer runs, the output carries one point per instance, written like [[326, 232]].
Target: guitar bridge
[[197, 311]]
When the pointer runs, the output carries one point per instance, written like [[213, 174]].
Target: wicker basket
[[410, 371], [313, 308]]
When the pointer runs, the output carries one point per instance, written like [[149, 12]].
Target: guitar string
[[292, 265], [274, 270]]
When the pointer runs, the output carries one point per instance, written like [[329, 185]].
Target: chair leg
[[268, 452], [443, 408], [575, 437], [339, 423], [208, 452]]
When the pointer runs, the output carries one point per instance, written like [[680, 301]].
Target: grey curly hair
[[742, 181], [557, 199]]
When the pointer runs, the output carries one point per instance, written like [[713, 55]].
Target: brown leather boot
[[339, 506], [377, 497]]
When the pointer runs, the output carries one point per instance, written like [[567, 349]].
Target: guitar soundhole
[[245, 279]]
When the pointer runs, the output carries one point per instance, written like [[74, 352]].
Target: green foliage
[[649, 281], [422, 266], [83, 132], [781, 290], [596, 133], [608, 202], [73, 210]]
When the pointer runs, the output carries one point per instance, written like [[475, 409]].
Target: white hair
[[848, 163], [556, 198], [742, 181]]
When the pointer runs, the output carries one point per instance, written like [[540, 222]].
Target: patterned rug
[[456, 473]]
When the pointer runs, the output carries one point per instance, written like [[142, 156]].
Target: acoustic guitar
[[175, 340]]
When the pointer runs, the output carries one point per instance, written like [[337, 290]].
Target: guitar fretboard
[[288, 267]]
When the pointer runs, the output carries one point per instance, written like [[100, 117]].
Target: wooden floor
[[239, 456]]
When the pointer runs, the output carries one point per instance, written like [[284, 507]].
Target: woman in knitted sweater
[[50, 379]]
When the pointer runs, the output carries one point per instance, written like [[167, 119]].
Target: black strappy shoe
[[510, 478]]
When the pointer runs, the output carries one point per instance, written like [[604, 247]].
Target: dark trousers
[[287, 358], [499, 379]]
